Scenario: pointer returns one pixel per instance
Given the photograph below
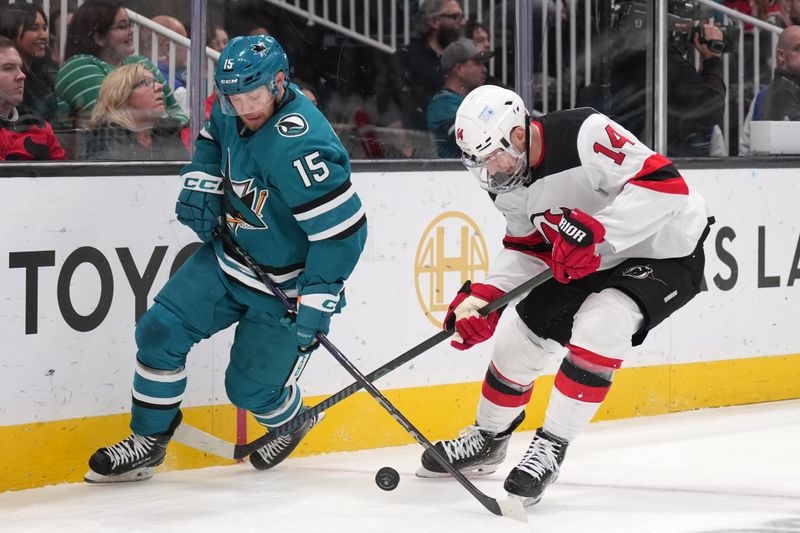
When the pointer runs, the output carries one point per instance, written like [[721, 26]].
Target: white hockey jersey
[[592, 163]]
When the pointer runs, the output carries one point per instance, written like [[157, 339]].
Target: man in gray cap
[[465, 68]]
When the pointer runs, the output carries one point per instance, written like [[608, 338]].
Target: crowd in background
[[98, 100]]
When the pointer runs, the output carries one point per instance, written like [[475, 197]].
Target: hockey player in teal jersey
[[269, 168]]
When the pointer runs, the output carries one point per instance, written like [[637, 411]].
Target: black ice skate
[[474, 452], [275, 451], [133, 459], [538, 468]]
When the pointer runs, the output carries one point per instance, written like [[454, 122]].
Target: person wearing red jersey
[[623, 235], [24, 136]]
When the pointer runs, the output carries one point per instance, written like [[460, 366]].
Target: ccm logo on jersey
[[206, 183]]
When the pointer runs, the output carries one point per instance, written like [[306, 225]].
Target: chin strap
[[528, 174]]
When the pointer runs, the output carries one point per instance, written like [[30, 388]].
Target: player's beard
[[446, 36]]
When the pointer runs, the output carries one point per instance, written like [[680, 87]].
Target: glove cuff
[[488, 293], [581, 229], [320, 301]]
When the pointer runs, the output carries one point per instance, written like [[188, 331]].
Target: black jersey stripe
[[662, 174], [325, 198], [275, 271], [349, 231]]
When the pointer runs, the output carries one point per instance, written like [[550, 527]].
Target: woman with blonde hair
[[129, 120], [100, 39]]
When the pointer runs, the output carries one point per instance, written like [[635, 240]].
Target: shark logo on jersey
[[641, 272], [292, 125], [243, 202], [546, 223]]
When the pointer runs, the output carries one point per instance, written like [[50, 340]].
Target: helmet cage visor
[[500, 171], [255, 101]]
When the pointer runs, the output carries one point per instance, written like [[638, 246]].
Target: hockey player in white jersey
[[623, 234]]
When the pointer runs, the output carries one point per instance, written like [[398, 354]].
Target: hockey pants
[[192, 306]]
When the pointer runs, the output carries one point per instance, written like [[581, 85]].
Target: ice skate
[[475, 451], [132, 459], [275, 451], [538, 468]]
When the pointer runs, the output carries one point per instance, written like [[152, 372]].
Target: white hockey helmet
[[484, 121]]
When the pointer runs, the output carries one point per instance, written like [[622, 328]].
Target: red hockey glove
[[471, 327], [574, 247]]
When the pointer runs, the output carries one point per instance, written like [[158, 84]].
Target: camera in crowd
[[684, 20]]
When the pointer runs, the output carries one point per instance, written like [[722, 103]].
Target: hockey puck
[[387, 478]]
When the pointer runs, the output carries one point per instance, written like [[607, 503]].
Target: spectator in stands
[[308, 91], [416, 65], [100, 39], [790, 12], [695, 100], [782, 99], [128, 121], [26, 26], [479, 34], [181, 52], [216, 37], [55, 40], [465, 65], [24, 136], [258, 30]]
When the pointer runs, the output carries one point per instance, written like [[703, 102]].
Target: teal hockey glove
[[200, 203], [315, 305]]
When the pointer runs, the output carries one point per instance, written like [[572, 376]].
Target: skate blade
[[512, 507], [526, 501], [139, 474], [483, 470]]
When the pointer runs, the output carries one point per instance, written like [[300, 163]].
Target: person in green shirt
[[100, 39]]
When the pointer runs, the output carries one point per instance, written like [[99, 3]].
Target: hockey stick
[[208, 443], [511, 507]]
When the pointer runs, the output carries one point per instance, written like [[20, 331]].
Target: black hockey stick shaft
[[488, 502], [243, 450]]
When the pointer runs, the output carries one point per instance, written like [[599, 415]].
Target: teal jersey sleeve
[[313, 177], [207, 159]]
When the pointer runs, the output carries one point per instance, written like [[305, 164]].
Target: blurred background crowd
[[102, 80]]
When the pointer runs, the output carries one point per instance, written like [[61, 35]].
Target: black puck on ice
[[387, 478]]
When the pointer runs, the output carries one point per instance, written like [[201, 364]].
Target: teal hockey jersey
[[288, 199]]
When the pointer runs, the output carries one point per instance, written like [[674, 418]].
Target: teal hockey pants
[[193, 305]]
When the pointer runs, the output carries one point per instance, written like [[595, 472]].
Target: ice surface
[[717, 470]]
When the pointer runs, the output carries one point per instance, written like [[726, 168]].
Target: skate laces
[[273, 448], [541, 457], [129, 450], [469, 442]]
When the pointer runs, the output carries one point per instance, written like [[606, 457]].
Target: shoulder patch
[[292, 125]]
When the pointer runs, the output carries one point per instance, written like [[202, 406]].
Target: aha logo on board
[[451, 251]]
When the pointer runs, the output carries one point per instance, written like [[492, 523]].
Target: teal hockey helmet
[[249, 64]]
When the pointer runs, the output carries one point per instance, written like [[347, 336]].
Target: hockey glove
[[574, 248], [471, 327], [315, 305], [200, 204]]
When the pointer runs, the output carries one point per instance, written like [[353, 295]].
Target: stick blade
[[198, 439], [513, 508]]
